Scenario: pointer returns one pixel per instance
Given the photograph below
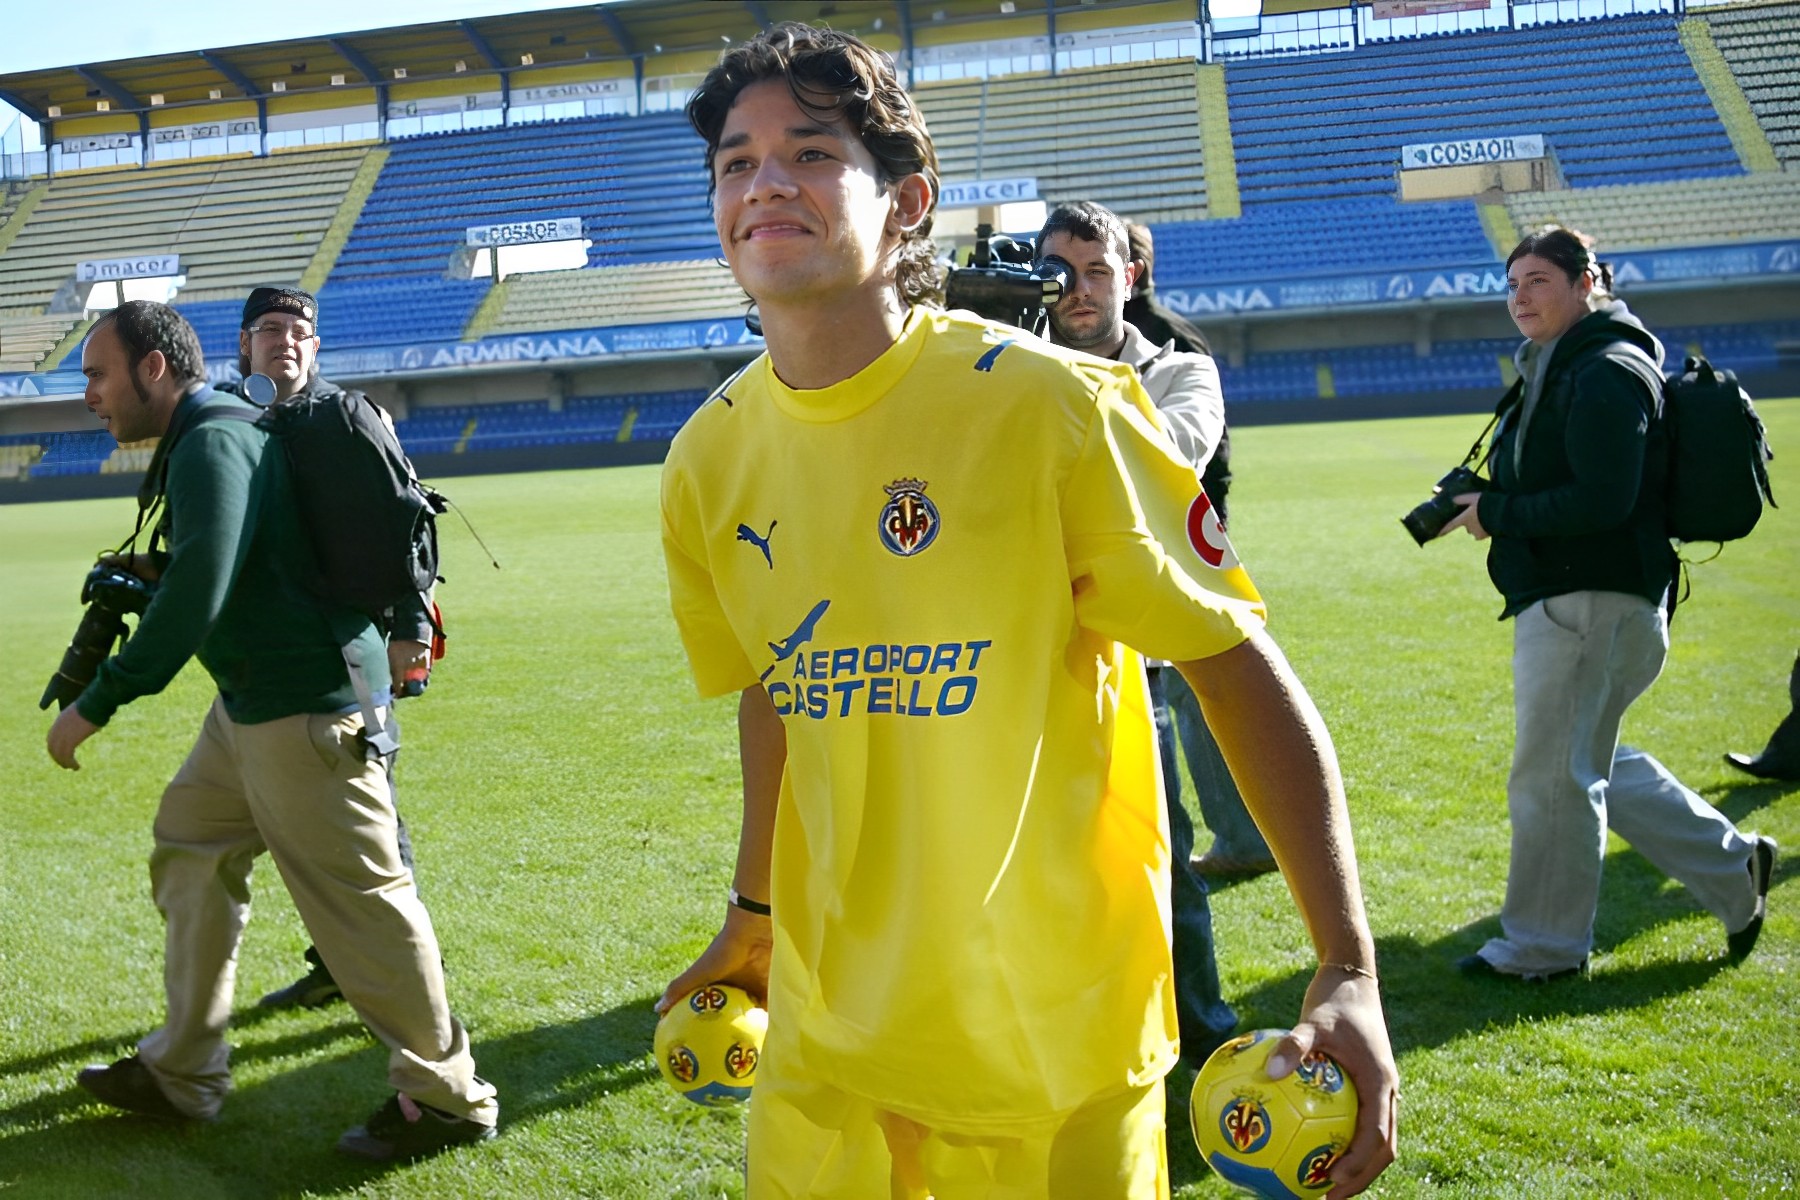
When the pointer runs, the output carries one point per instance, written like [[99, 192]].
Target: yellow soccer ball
[[708, 1044], [1274, 1138]]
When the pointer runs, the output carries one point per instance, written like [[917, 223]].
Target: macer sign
[[144, 266], [973, 193]]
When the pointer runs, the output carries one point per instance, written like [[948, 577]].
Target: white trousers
[[1579, 660]]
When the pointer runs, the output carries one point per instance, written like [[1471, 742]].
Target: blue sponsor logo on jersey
[[909, 520], [883, 679]]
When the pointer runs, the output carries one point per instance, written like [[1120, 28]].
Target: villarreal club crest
[[1271, 1137], [909, 520], [708, 1044]]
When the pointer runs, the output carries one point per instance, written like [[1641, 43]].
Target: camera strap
[[1508, 402]]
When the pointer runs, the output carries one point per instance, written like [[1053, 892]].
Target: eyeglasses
[[297, 333]]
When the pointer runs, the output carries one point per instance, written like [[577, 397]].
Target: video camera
[[1001, 284]]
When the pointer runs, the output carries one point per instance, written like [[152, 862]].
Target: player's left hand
[[1342, 1018], [409, 665], [1469, 518], [68, 731]]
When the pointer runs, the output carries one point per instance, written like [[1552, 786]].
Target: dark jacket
[[230, 591], [1584, 508]]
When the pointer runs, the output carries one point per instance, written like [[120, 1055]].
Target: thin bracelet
[[747, 904], [1350, 969]]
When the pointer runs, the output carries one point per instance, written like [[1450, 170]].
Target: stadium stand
[[1128, 137], [25, 341], [612, 172], [236, 223], [1761, 43], [467, 428], [1305, 237], [1331, 126], [1699, 212], [673, 291], [1255, 170]]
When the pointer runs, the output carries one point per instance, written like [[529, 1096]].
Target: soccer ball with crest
[[1271, 1137], [708, 1044]]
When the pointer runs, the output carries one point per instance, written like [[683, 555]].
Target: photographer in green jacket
[[280, 763]]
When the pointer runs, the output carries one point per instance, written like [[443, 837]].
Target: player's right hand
[[738, 955]]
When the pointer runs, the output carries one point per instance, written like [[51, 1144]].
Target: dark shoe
[[315, 989], [1765, 765], [392, 1135], [1477, 967], [1762, 870], [1222, 866], [128, 1084]]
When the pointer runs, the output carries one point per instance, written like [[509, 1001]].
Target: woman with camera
[[1580, 552]]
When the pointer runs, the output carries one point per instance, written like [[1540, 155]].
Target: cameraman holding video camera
[[1184, 387], [281, 762]]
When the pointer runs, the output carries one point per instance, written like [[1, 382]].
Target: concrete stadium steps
[[1696, 212], [1127, 137], [1761, 44], [16, 458], [641, 294], [26, 341], [1728, 99], [236, 223], [1327, 126]]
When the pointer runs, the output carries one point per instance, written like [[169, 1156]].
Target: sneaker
[[403, 1129], [315, 989], [1476, 967], [129, 1085], [1762, 870]]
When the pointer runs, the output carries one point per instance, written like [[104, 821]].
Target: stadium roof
[[516, 43]]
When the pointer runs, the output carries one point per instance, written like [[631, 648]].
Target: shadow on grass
[[1738, 800], [275, 1137], [1429, 1004]]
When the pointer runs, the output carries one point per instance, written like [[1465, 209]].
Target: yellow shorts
[[811, 1142]]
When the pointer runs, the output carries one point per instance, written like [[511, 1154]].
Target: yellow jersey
[[931, 567]]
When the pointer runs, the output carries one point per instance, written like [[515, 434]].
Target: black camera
[[1001, 284], [110, 593], [1428, 520]]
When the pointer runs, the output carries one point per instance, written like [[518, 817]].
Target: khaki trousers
[[302, 788]]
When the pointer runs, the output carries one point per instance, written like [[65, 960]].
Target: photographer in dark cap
[[279, 338], [281, 763]]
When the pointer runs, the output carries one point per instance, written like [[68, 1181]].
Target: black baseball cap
[[282, 300]]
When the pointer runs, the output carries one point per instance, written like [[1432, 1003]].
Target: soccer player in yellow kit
[[918, 545]]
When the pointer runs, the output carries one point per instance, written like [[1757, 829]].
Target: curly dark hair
[[144, 325], [831, 74], [1091, 223]]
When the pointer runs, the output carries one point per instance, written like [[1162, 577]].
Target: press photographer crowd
[[1001, 876]]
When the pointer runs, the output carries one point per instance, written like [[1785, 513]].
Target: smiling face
[[1543, 300], [1091, 314], [124, 400], [798, 204], [282, 346]]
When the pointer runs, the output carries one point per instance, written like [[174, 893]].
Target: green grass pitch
[[574, 809]]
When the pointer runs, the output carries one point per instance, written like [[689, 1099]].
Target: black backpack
[[1718, 455], [370, 524]]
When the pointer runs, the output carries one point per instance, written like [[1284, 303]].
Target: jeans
[[1579, 660], [1235, 834], [1205, 1019]]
